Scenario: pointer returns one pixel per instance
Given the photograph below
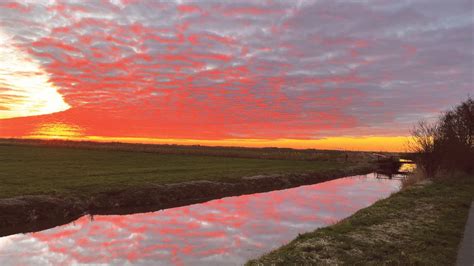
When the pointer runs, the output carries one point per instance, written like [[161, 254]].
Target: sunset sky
[[305, 74]]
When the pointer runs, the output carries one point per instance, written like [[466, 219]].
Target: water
[[227, 231]]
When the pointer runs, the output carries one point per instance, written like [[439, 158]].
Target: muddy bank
[[34, 213]]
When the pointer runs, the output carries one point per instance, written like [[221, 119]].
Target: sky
[[305, 74]]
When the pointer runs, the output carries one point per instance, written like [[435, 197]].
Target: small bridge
[[389, 166]]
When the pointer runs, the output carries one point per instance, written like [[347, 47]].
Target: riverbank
[[420, 225], [48, 186]]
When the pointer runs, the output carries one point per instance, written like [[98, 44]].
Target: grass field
[[32, 170], [422, 225], [234, 152]]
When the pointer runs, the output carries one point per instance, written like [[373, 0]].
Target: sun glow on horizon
[[368, 143], [239, 73], [25, 89], [57, 131]]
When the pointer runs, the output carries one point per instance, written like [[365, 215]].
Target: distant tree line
[[446, 144]]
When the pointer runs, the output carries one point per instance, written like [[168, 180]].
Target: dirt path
[[466, 249]]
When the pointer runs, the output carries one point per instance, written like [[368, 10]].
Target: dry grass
[[417, 177]]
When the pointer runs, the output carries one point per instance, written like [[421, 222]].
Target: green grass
[[32, 170], [235, 152], [420, 225]]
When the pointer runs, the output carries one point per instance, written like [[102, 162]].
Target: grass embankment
[[419, 225], [50, 170]]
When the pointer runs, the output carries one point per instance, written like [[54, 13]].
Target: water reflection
[[407, 168], [227, 231]]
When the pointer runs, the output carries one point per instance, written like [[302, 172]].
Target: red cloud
[[214, 71]]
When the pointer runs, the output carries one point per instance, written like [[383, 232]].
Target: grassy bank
[[420, 225], [40, 169]]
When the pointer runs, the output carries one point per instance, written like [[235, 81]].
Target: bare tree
[[424, 143]]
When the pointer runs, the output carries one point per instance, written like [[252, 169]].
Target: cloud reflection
[[220, 232]]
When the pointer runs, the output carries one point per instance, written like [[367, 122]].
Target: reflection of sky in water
[[407, 167], [227, 231]]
